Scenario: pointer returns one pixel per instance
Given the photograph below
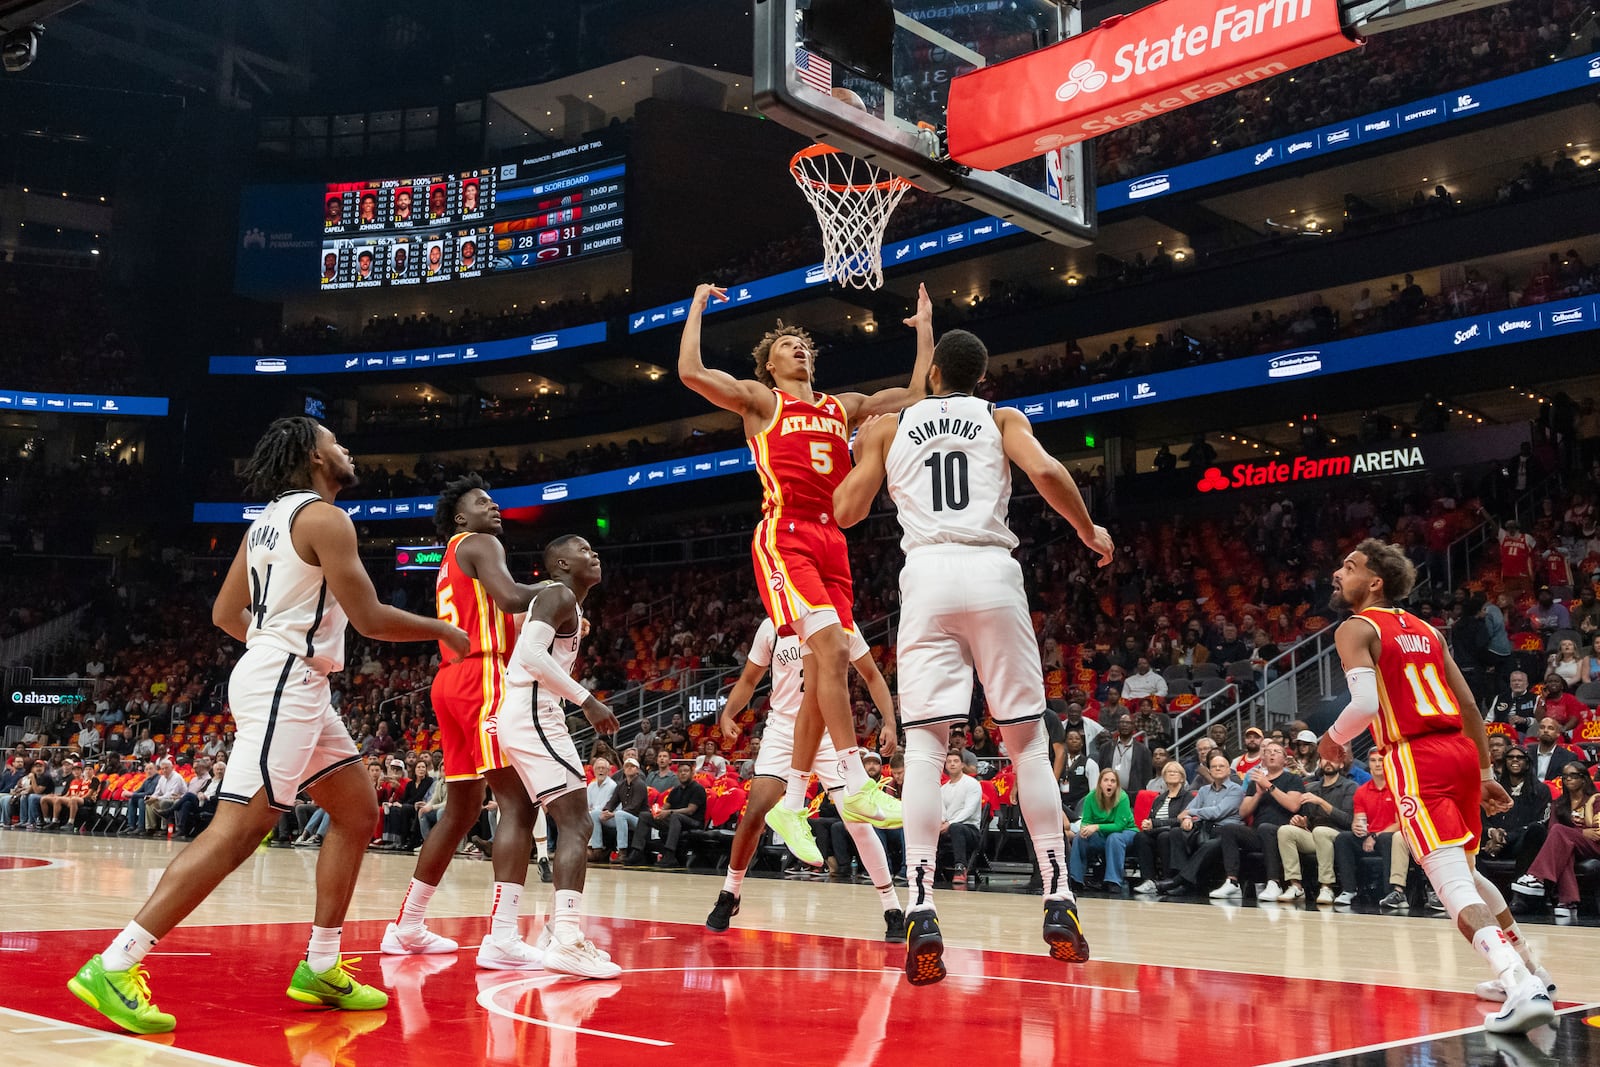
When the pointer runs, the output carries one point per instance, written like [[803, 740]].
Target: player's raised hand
[[1495, 797], [704, 292], [600, 717], [728, 725], [1329, 749], [1100, 544], [924, 312]]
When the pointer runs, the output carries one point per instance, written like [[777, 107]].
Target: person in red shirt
[[1556, 703], [1374, 832], [1516, 557]]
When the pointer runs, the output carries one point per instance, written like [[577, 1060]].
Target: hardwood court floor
[[803, 978]]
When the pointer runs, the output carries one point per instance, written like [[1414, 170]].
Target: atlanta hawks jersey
[[291, 609], [949, 476], [801, 456], [464, 602], [1414, 694]]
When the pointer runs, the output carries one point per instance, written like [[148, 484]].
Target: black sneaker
[[1064, 933], [483, 845], [544, 869], [924, 949], [722, 912], [894, 923]]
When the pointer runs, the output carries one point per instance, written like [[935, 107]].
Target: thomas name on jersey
[[264, 535], [926, 431], [811, 424]]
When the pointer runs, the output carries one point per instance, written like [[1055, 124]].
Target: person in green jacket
[[1107, 826]]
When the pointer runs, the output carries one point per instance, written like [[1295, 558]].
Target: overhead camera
[[20, 47]]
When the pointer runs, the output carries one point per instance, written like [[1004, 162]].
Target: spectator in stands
[[961, 800], [430, 807], [628, 804], [1078, 773], [1374, 831], [1198, 776], [61, 811], [1518, 707], [14, 802], [599, 792], [1163, 822], [90, 738], [1548, 756], [1125, 754], [133, 815], [1271, 798], [663, 778], [1144, 682], [1566, 662], [1574, 835], [1556, 703], [144, 748], [215, 746], [683, 810], [1252, 755], [1074, 720], [1111, 706], [1327, 809], [1548, 616], [1229, 648], [1591, 662], [1213, 808], [1303, 754], [1517, 833], [163, 798], [196, 806], [1105, 829]]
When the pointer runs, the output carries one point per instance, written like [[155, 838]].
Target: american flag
[[814, 70]]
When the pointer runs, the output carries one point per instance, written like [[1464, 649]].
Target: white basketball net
[[853, 200]]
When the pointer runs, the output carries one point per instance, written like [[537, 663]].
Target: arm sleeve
[[533, 651], [1363, 706]]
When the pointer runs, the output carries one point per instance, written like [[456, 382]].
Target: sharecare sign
[[1128, 69]]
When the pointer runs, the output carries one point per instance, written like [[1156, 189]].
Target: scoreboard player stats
[[532, 212]]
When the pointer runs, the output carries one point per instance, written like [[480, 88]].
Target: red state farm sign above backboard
[[1168, 55]]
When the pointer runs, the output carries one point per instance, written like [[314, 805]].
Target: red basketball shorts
[[803, 572], [1437, 790], [467, 696]]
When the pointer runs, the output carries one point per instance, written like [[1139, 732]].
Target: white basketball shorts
[[538, 745], [288, 734], [777, 753]]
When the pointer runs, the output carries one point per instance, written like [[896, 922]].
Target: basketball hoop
[[853, 200]]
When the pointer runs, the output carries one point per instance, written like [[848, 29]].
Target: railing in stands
[[28, 646], [1287, 686]]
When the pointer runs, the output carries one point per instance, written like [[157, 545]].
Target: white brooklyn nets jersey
[[563, 649], [949, 476], [291, 609], [783, 655]]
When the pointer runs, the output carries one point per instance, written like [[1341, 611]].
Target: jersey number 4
[[1434, 698], [949, 480], [258, 595]]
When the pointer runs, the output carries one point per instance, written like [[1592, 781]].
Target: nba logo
[[944, 407], [1056, 177]]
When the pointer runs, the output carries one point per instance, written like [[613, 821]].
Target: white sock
[[541, 835], [852, 770], [565, 913], [794, 789], [733, 881], [1492, 944], [1524, 947], [869, 846], [323, 952], [919, 797], [542, 847], [128, 948], [503, 916], [414, 908]]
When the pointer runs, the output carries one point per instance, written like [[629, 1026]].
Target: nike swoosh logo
[[348, 987], [131, 1005]]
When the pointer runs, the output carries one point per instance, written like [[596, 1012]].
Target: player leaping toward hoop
[[1406, 687], [948, 461], [800, 439], [784, 656]]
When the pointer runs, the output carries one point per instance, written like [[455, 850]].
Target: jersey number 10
[[949, 480]]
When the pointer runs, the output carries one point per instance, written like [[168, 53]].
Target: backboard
[[805, 48]]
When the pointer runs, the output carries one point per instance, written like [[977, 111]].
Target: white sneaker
[[508, 954], [543, 942], [422, 942], [576, 955], [1325, 895], [1146, 888], [1228, 890], [1271, 891], [1495, 990], [1526, 1007], [1528, 886], [1343, 900], [1291, 892]]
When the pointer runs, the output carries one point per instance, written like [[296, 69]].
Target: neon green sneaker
[[795, 830], [335, 988], [871, 805], [121, 996]]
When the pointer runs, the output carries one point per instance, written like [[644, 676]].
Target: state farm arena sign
[[1160, 58], [1312, 469]]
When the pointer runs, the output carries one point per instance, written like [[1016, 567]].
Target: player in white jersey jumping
[[948, 461], [296, 577], [534, 738], [783, 655]]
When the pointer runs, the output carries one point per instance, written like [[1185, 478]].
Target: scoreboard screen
[[528, 213]]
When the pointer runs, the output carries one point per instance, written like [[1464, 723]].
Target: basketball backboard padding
[[896, 143]]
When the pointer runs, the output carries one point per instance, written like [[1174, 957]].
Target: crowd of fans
[[60, 330]]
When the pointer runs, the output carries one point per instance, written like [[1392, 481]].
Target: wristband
[[1486, 774]]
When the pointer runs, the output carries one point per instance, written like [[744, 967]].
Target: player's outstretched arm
[[852, 500], [882, 699], [738, 395], [739, 697], [900, 397], [555, 607], [484, 558], [1053, 480], [230, 612], [330, 538], [1354, 639]]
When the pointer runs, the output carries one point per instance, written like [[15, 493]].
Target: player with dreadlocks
[[295, 581], [476, 592]]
